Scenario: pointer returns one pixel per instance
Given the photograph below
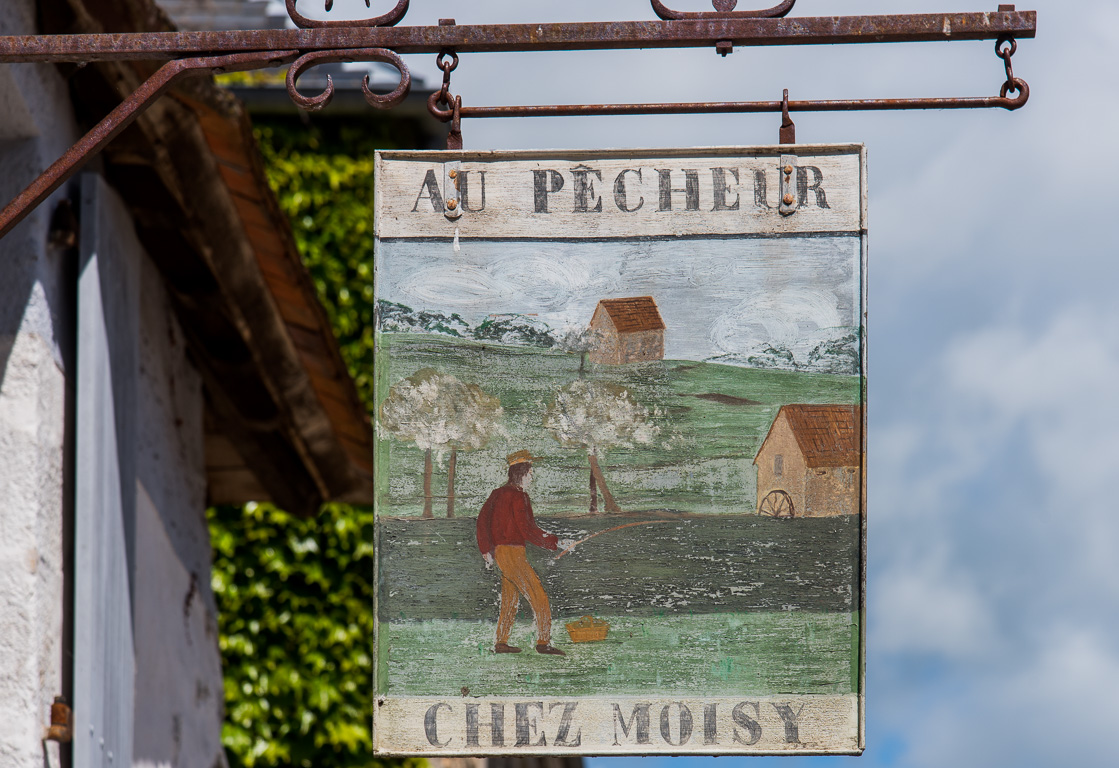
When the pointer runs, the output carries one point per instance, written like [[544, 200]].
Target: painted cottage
[[627, 331], [810, 463]]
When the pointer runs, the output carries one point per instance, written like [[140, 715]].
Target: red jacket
[[506, 518]]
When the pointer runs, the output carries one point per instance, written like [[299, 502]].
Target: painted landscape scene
[[690, 414]]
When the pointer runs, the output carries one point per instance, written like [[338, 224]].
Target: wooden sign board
[[621, 451]]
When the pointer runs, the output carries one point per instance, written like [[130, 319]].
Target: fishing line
[[608, 530]]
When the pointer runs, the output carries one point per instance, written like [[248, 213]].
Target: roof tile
[[637, 313], [828, 435]]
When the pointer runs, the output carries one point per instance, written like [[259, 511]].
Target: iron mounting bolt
[[788, 170], [788, 199], [452, 204], [453, 174]]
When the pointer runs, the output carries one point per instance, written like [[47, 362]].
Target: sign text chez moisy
[[620, 451]]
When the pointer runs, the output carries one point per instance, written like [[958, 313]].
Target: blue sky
[[993, 634]]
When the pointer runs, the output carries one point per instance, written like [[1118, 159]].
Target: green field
[[712, 419], [721, 655], [697, 604], [431, 569]]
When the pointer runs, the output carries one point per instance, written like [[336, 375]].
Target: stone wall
[[832, 491]]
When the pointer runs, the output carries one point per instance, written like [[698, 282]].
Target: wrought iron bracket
[[317, 41]]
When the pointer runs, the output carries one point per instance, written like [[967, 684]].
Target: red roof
[[637, 313], [828, 435]]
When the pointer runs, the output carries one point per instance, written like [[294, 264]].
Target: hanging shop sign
[[621, 451]]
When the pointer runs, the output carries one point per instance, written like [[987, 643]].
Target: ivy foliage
[[296, 634], [296, 596], [324, 184]]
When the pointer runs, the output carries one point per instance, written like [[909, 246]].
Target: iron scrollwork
[[384, 20], [378, 100], [724, 9]]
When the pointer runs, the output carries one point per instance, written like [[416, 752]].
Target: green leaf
[[295, 596]]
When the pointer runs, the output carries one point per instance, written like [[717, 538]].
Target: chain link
[[453, 111], [1005, 47], [448, 67], [442, 103]]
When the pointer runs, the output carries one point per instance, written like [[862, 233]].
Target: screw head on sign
[[452, 204], [453, 174], [788, 199], [788, 170]]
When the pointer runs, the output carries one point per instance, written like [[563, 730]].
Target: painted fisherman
[[505, 526]]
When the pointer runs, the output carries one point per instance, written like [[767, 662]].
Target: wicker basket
[[587, 629]]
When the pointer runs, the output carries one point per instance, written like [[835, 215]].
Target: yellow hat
[[520, 457]]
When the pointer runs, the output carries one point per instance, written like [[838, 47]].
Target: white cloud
[[994, 560], [784, 316], [928, 607], [1054, 391], [1054, 705]]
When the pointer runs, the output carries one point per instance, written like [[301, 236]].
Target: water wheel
[[776, 504]]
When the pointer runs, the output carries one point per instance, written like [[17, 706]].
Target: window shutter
[[105, 480]]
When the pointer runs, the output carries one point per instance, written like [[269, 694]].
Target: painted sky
[[994, 350], [717, 297]]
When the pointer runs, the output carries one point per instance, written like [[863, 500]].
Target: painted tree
[[475, 419], [437, 412], [595, 416], [579, 340]]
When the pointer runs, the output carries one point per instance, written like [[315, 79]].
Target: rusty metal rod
[[842, 105], [701, 33], [121, 117]]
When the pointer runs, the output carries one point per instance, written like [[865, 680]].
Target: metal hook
[[454, 136], [788, 132]]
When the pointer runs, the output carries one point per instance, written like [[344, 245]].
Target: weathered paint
[[176, 715], [744, 632], [620, 725]]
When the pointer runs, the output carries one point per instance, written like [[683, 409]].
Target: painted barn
[[627, 331], [811, 462]]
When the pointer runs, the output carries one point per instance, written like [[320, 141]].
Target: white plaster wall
[[31, 568], [179, 695], [178, 690], [36, 126]]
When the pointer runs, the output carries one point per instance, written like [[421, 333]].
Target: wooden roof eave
[[290, 409]]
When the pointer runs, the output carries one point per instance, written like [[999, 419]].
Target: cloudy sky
[[723, 297], [994, 349]]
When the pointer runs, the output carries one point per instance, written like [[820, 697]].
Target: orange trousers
[[518, 578]]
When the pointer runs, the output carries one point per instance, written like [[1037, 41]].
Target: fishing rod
[[608, 530]]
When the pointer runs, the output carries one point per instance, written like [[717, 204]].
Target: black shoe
[[503, 648], [549, 650]]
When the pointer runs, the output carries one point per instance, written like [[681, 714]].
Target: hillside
[[711, 419]]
